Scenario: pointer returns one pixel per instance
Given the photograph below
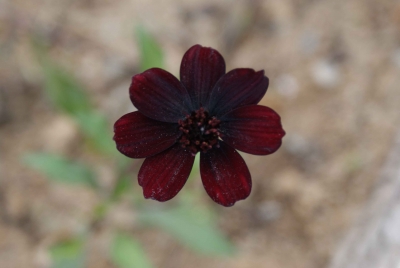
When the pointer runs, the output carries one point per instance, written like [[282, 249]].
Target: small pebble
[[325, 74], [269, 211], [287, 86], [396, 57]]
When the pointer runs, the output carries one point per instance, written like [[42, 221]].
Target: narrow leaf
[[122, 185], [70, 97], [64, 90], [151, 54], [68, 254], [196, 168], [60, 169], [193, 227], [97, 131], [128, 253]]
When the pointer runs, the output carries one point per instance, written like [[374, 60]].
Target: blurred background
[[69, 199]]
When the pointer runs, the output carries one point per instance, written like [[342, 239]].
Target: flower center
[[199, 131]]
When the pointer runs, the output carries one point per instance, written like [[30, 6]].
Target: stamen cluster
[[200, 131]]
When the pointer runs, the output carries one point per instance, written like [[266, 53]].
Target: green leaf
[[68, 254], [151, 54], [64, 90], [196, 168], [101, 210], [122, 185], [97, 131], [70, 97], [193, 227], [128, 253], [60, 169]]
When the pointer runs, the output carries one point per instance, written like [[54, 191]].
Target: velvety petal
[[225, 175], [163, 175], [201, 68], [138, 136], [252, 129], [159, 95], [237, 88]]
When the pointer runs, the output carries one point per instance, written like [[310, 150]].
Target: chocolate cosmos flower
[[208, 111]]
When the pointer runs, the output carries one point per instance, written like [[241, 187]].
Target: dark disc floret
[[200, 131]]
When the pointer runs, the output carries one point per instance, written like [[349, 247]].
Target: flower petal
[[159, 95], [201, 68], [138, 136], [237, 88], [163, 175], [252, 129], [225, 175]]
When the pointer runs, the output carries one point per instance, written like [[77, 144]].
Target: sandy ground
[[334, 68]]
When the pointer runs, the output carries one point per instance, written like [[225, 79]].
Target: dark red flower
[[208, 111]]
